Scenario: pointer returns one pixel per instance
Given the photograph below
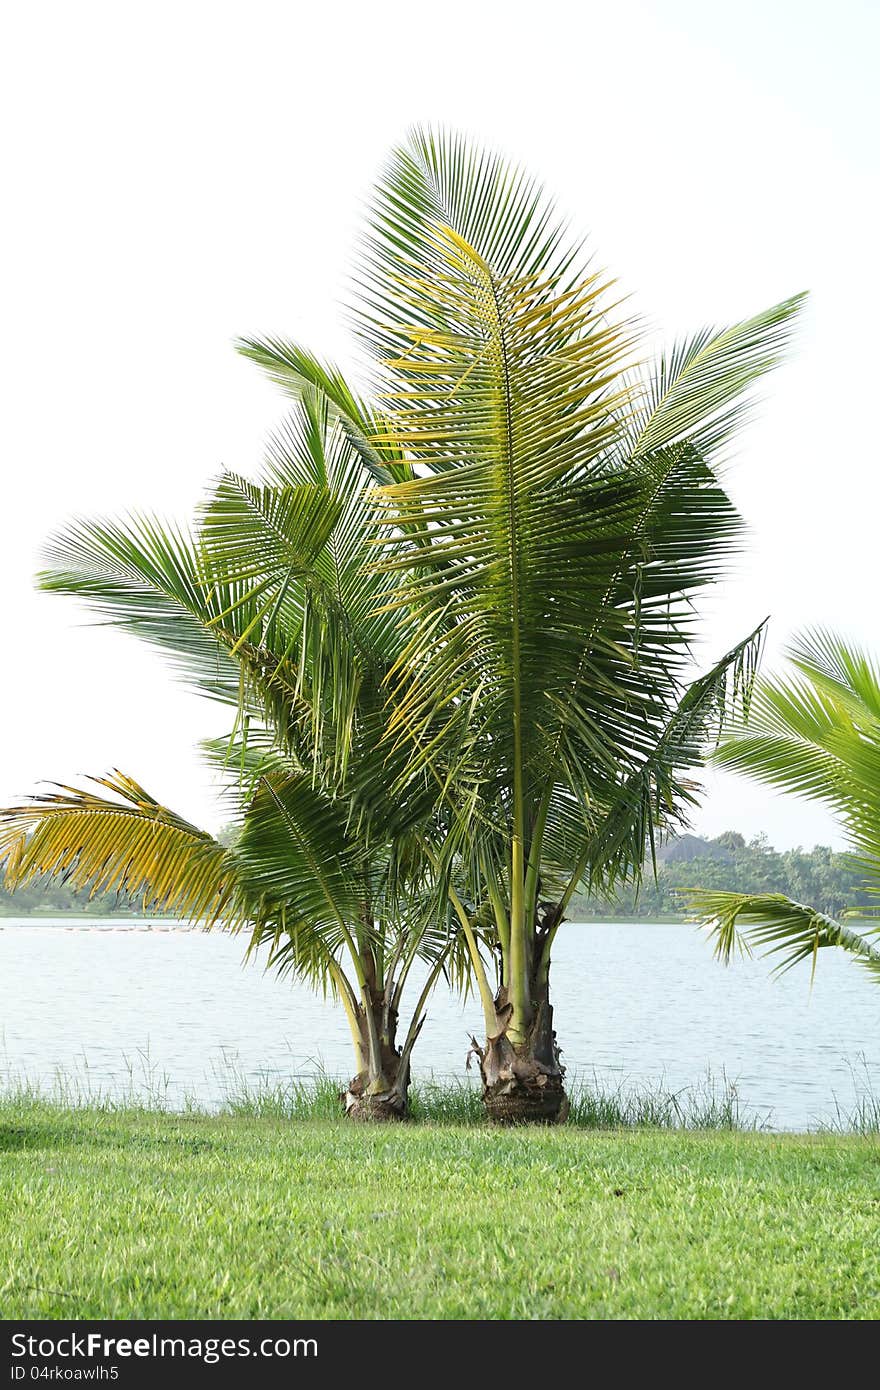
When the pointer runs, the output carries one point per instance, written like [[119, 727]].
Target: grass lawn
[[138, 1214]]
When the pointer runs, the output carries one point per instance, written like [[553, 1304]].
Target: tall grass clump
[[712, 1103], [863, 1116], [447, 1102], [315, 1099]]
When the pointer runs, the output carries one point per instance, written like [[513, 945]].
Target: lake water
[[118, 1006]]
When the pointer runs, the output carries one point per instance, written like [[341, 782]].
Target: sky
[[174, 175]]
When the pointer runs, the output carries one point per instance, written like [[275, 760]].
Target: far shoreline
[[659, 919]]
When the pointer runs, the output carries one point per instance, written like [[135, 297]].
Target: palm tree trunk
[[380, 1089], [522, 1075]]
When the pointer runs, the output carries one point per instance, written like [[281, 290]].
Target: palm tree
[[553, 513], [816, 734], [326, 866]]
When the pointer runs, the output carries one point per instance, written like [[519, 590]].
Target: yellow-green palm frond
[[127, 842], [500, 362]]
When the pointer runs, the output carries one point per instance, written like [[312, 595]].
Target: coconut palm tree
[[553, 514], [814, 733], [327, 866]]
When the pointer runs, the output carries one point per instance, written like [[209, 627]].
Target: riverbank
[[120, 1214]]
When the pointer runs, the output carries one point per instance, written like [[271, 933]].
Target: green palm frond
[[146, 577], [150, 580], [816, 734], [698, 391], [777, 926], [267, 543], [295, 555], [291, 527], [318, 635], [320, 888], [845, 670], [127, 843], [655, 799], [294, 850], [300, 374]]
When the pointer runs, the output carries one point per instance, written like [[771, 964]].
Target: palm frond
[[500, 363], [657, 797], [817, 734], [300, 375], [844, 671], [294, 851], [699, 391], [291, 526], [146, 577], [776, 926], [125, 843]]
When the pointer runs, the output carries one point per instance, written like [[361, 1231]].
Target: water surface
[[135, 1005]]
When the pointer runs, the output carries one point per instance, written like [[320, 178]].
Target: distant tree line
[[821, 877]]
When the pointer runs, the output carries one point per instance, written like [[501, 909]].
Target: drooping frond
[[125, 843], [776, 926]]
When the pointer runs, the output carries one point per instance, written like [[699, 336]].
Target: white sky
[[176, 174]]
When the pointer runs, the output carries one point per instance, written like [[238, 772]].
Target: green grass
[[116, 1213]]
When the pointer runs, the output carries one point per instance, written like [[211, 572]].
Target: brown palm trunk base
[[385, 1105], [385, 1094], [523, 1083], [518, 1089], [385, 1098]]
